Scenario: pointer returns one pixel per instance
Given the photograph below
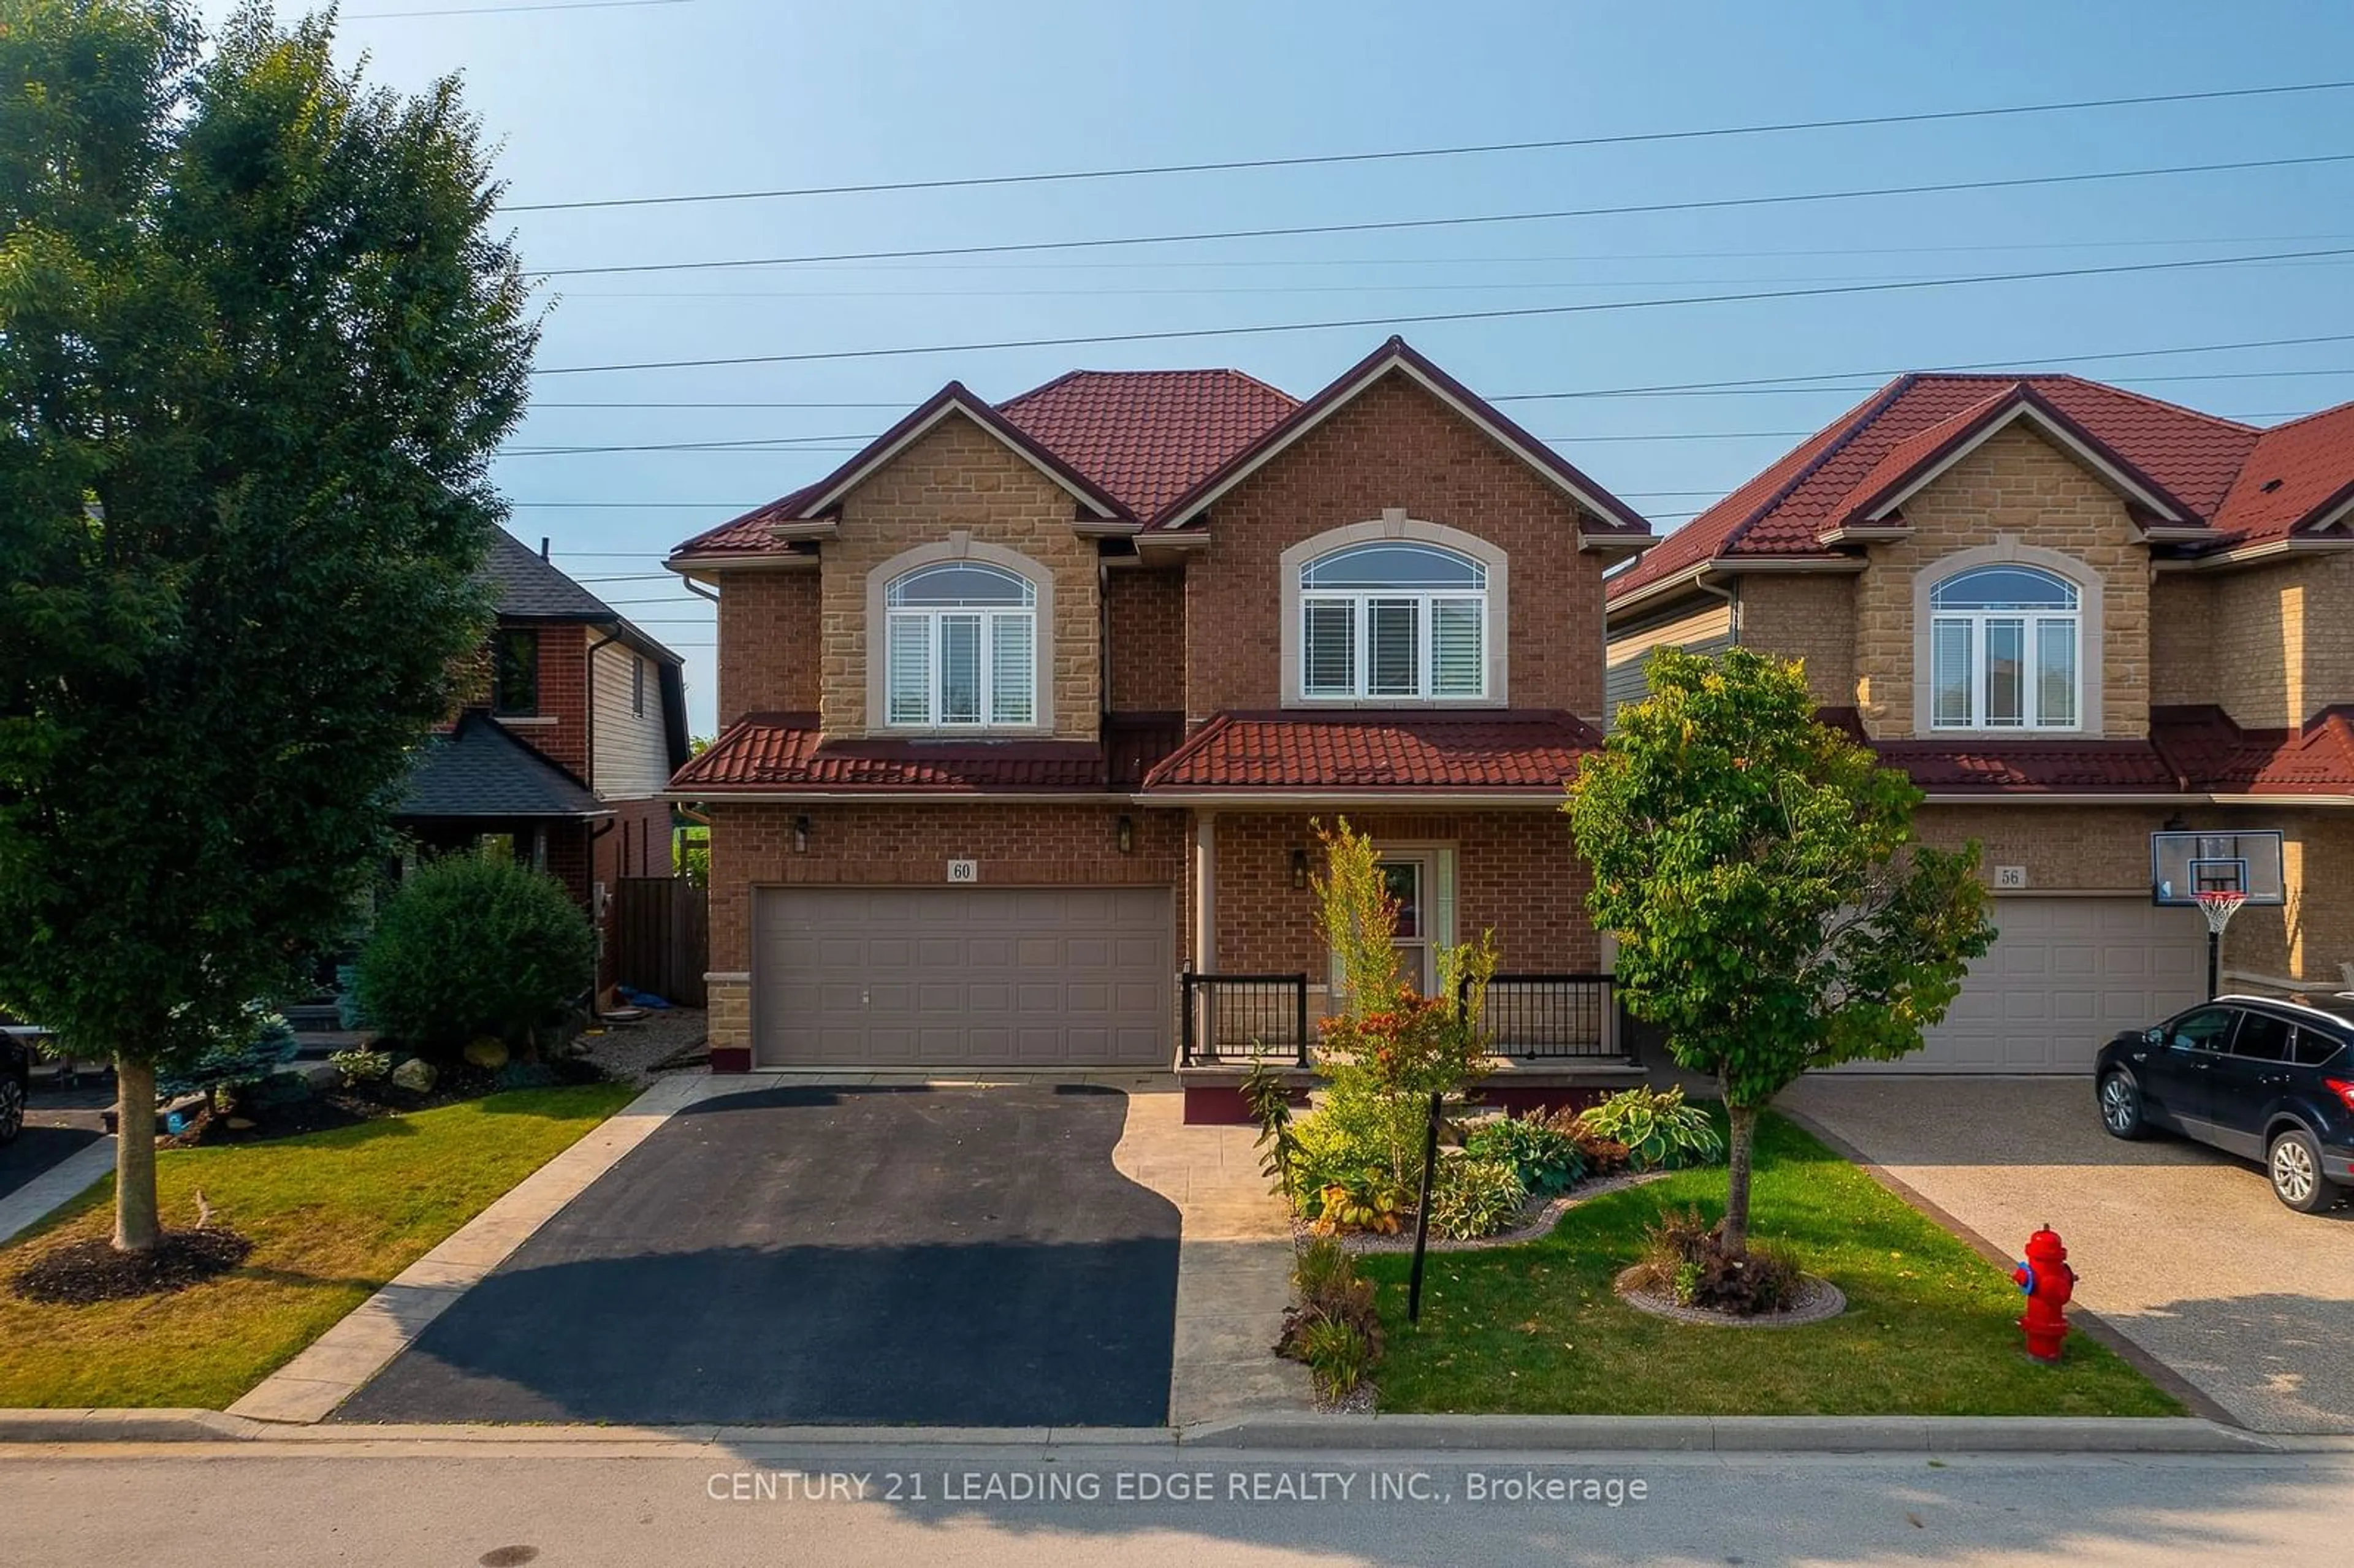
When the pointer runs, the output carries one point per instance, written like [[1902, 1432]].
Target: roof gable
[[950, 400], [1149, 435], [529, 587], [2300, 477], [1607, 516]]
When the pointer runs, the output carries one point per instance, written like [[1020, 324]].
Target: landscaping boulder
[[416, 1076], [323, 1076], [487, 1052]]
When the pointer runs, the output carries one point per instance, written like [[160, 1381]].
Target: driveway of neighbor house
[[868, 1255], [2182, 1249]]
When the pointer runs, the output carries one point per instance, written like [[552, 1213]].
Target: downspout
[[1731, 598]]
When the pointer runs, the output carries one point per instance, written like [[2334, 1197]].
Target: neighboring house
[[571, 725], [2076, 616], [1028, 707]]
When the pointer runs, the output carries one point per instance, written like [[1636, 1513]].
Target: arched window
[[1394, 619], [2004, 650], [963, 647]]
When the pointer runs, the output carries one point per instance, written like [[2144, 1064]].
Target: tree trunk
[[1736, 1177], [134, 1156]]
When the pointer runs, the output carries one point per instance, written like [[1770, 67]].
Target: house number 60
[[964, 870]]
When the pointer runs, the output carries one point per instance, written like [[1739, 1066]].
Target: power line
[[617, 5], [1515, 313], [1395, 225], [1399, 154]]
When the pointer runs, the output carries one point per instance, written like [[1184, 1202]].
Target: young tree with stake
[[1773, 910], [256, 345]]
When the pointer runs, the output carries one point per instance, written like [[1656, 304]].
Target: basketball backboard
[[2182, 865]]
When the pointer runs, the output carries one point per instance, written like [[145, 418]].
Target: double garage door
[[2063, 975], [981, 976]]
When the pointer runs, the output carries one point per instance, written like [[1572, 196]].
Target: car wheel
[[2121, 1106], [12, 1108], [2294, 1166]]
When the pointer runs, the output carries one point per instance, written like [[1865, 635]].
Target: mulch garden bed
[[1537, 1219], [1818, 1301], [90, 1271]]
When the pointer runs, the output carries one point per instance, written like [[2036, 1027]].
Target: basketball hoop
[[2219, 905]]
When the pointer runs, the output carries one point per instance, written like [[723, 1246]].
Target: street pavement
[[414, 1504], [2182, 1249]]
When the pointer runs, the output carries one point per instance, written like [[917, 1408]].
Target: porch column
[[1205, 892]]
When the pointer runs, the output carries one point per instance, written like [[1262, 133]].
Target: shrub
[[1339, 1357], [1268, 1094], [1660, 1132], [1471, 1198], [471, 945], [1544, 1154], [1358, 1138], [1367, 1201], [1684, 1258], [363, 1066], [240, 1059], [1331, 1325]]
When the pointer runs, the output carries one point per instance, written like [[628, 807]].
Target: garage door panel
[[2062, 976], [941, 976]]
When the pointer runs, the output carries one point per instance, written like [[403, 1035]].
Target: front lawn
[[332, 1215], [1929, 1330]]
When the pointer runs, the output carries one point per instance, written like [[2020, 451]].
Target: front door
[[1408, 880]]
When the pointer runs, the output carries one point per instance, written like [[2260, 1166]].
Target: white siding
[[1708, 631], [631, 761]]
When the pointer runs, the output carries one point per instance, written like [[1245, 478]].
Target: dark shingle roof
[[478, 769], [530, 589]]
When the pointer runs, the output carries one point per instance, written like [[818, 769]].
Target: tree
[[1773, 910], [257, 344]]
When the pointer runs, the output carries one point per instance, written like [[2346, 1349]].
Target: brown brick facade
[[1393, 446], [1517, 874], [769, 640], [1144, 657], [1809, 616], [2018, 484], [957, 478]]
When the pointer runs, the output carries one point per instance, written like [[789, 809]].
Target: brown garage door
[[2063, 975], [929, 976]]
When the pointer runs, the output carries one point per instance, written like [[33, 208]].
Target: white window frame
[[2006, 549], [934, 619], [1395, 528], [959, 546], [2030, 624]]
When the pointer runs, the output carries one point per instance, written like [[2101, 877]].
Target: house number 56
[[964, 870]]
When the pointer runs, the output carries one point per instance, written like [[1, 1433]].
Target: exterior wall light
[[1126, 834], [800, 834], [1300, 868]]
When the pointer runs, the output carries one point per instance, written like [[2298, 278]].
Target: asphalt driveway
[[862, 1256], [2181, 1248]]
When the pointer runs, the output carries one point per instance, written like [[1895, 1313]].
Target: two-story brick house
[[2077, 616], [1028, 707], [571, 722]]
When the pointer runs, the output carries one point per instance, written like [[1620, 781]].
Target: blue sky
[[714, 95]]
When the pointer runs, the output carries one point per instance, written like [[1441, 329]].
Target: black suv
[[2262, 1080]]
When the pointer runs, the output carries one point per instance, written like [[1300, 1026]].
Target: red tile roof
[[2192, 750], [1149, 442], [1359, 751], [784, 754], [1149, 435], [2201, 463]]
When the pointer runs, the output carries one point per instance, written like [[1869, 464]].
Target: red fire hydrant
[[2048, 1283]]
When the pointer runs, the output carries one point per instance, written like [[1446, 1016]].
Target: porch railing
[[1242, 1018], [1551, 1017]]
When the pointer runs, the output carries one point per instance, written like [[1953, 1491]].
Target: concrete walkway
[[2180, 1249], [1234, 1262], [35, 1199], [339, 1361]]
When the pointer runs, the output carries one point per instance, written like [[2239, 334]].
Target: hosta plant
[[1660, 1130], [1545, 1154], [1471, 1198]]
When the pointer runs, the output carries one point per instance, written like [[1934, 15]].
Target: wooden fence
[[662, 936]]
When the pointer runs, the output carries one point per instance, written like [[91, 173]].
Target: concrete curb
[[1263, 1435], [45, 1194], [1743, 1434]]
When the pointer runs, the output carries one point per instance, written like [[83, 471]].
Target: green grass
[[1930, 1327], [332, 1215]]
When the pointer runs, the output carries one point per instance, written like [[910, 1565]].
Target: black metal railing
[[1242, 1018], [1549, 1017]]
